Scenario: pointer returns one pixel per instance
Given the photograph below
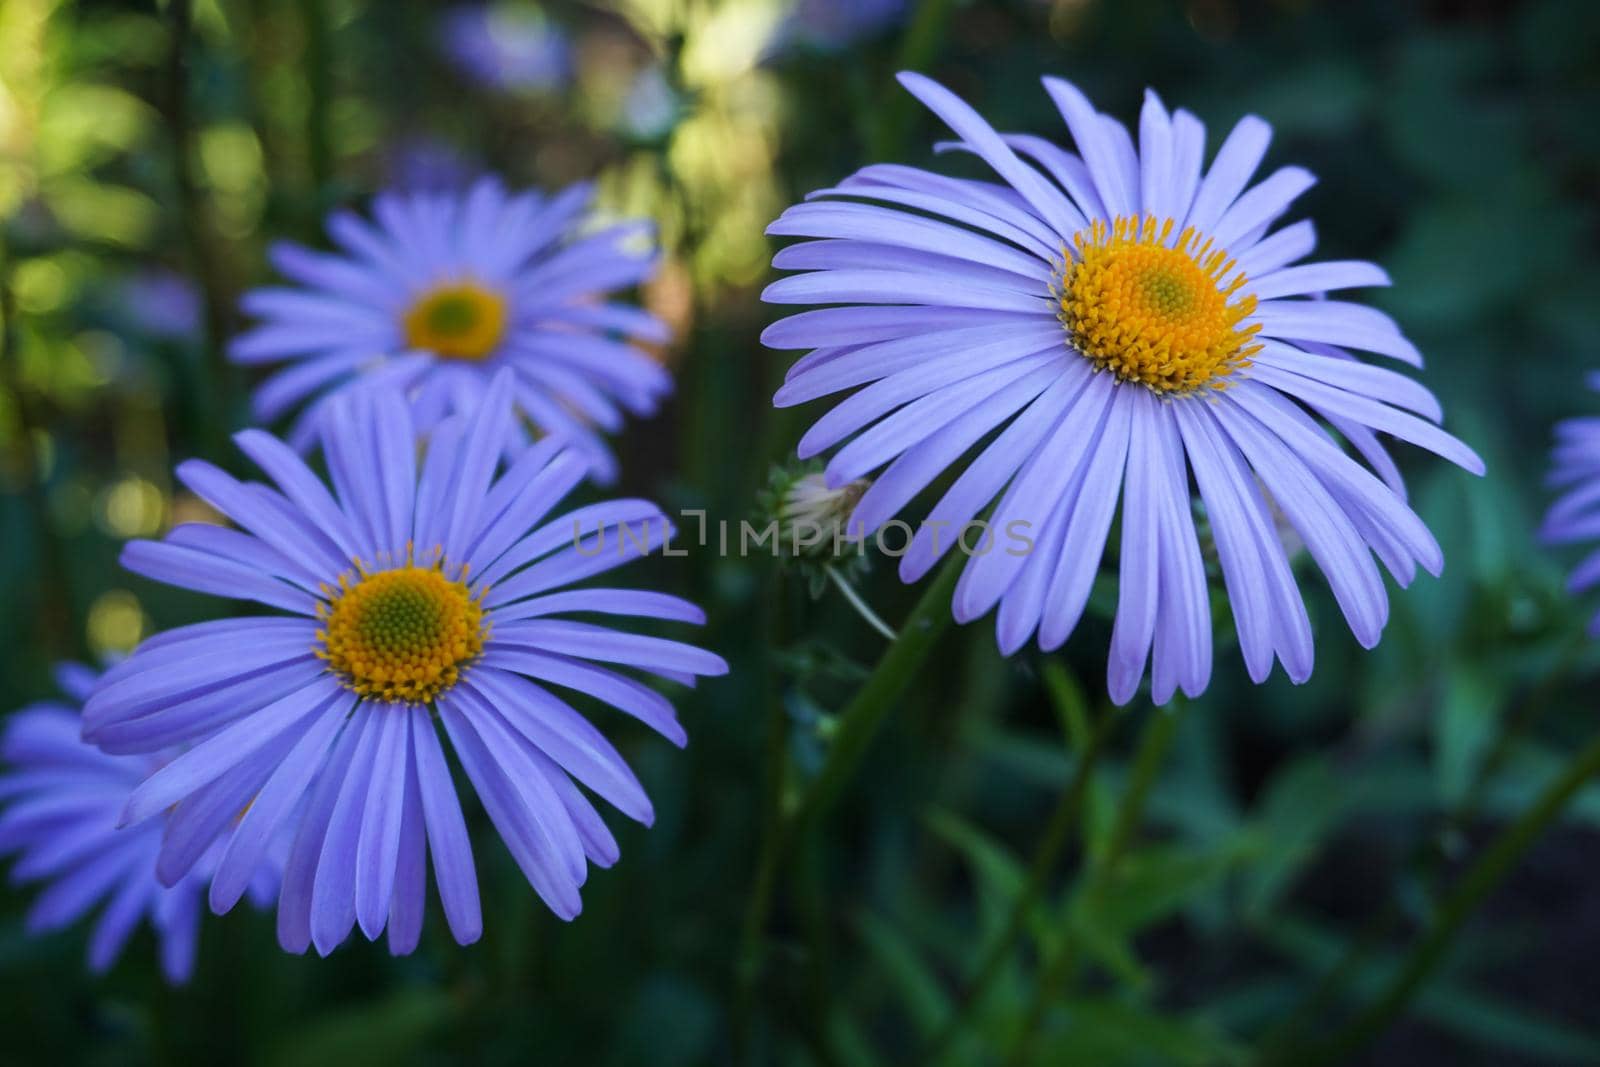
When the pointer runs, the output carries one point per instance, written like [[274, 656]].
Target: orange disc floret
[[1155, 312], [401, 635], [461, 320]]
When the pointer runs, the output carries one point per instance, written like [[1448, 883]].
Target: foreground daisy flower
[[1121, 319], [62, 801], [1575, 516], [408, 601], [441, 291]]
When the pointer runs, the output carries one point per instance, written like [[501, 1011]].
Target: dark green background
[[1456, 144]]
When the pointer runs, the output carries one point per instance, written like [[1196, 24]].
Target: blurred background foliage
[[1294, 841]]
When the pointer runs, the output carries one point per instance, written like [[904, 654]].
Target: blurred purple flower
[[63, 800], [833, 25], [506, 47], [439, 291], [651, 106], [427, 165], [1575, 516], [161, 303]]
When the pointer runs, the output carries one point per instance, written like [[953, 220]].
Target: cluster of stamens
[[1155, 312], [401, 635], [460, 320]]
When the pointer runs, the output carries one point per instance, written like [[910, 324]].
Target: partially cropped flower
[[163, 304], [424, 164], [62, 798], [1116, 320], [441, 291], [406, 599], [1575, 516], [812, 516], [506, 46], [831, 25]]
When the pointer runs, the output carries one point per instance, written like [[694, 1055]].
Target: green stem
[[752, 950], [861, 719], [918, 48], [857, 724], [1425, 859], [1056, 835], [863, 609], [314, 22], [57, 628], [1154, 743], [1480, 880], [206, 265]]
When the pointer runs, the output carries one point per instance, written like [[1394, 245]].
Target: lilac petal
[[1182, 650], [566, 737], [971, 128], [333, 891], [1276, 361], [300, 872], [1033, 495], [621, 692], [526, 836], [408, 901], [1260, 206], [117, 922], [1236, 161], [378, 848], [898, 287], [587, 641], [205, 815], [920, 464], [1329, 536], [873, 223], [453, 868], [219, 754], [1156, 194], [1335, 322], [632, 602], [869, 324], [297, 482], [178, 918], [206, 573], [985, 476], [1085, 540], [1134, 627], [71, 896], [1318, 278], [1098, 150], [990, 344], [274, 805]]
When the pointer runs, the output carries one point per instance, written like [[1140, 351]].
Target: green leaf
[[1464, 728], [998, 874], [1113, 1033], [902, 965], [379, 1031]]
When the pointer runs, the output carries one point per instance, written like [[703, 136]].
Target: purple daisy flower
[[441, 291], [993, 308], [506, 47], [1575, 516], [63, 798], [410, 598]]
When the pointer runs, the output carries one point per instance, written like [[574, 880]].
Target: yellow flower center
[[461, 320], [401, 635], [1153, 312]]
